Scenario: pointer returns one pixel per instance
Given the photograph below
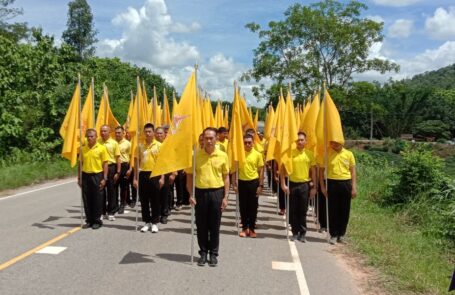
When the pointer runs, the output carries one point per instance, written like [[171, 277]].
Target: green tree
[[80, 33], [14, 31], [326, 41]]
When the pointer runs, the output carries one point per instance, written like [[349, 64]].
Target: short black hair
[[119, 127], [222, 129], [301, 133], [250, 130], [149, 125], [209, 129], [248, 136]]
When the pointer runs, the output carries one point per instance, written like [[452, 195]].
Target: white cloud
[[442, 24], [429, 60], [396, 3], [401, 28], [376, 18], [147, 40]]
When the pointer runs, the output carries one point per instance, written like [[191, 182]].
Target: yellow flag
[[226, 117], [105, 115], [306, 108], [130, 113], [88, 111], [289, 135], [236, 150], [328, 127], [176, 150], [218, 115], [256, 118], [297, 116], [309, 123], [269, 122], [166, 114], [138, 120], [273, 149], [69, 131], [174, 102]]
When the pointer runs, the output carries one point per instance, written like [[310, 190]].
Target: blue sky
[[170, 36]]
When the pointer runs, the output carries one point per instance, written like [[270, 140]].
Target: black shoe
[[132, 204], [302, 238], [203, 260], [96, 226], [294, 237], [86, 225], [213, 261], [121, 210], [163, 220]]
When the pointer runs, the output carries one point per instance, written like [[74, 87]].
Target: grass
[[410, 261], [450, 166], [18, 175]]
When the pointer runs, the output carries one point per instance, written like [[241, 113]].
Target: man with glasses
[[250, 184], [301, 187]]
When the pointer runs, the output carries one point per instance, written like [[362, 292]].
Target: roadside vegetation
[[403, 220]]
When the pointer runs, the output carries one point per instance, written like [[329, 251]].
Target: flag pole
[[287, 209], [326, 160], [80, 149], [237, 200], [136, 170], [194, 178]]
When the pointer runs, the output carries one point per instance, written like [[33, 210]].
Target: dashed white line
[[53, 250]]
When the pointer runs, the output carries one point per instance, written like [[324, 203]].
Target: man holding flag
[[114, 167], [250, 184], [302, 182], [211, 195], [94, 178]]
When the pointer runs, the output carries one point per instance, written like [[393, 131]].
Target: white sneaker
[[111, 217], [154, 228], [145, 228]]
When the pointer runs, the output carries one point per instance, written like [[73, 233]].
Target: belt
[[299, 183]]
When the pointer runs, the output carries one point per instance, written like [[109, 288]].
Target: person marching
[[211, 195], [302, 183], [132, 200], [250, 184], [149, 188], [341, 188], [125, 171], [114, 167], [222, 141], [94, 178]]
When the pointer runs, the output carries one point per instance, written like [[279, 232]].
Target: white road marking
[[303, 286], [127, 211], [36, 190], [279, 265], [53, 250]]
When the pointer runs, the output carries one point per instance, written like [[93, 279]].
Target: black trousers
[[321, 211], [339, 192], [149, 195], [92, 197], [298, 206], [208, 219], [110, 195], [183, 197], [164, 197], [248, 202], [281, 196], [124, 184], [269, 177]]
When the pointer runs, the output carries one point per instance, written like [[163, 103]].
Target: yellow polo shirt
[[339, 164], [302, 160], [148, 155], [258, 147], [253, 162], [223, 145], [125, 150], [112, 149], [93, 158], [210, 168]]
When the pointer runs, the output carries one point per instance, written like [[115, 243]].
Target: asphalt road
[[116, 259]]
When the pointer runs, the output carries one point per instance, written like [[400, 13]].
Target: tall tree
[[328, 40], [80, 32], [14, 31]]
